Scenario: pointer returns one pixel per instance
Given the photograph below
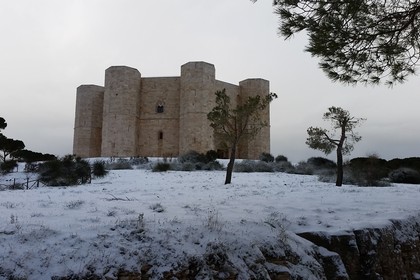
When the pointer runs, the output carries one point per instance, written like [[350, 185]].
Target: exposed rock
[[391, 252]]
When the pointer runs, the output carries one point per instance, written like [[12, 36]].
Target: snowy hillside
[[136, 217]]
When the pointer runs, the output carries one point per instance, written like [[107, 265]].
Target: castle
[[159, 117]]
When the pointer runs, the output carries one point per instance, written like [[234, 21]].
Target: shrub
[[98, 168], [369, 171], [283, 166], [253, 166], [69, 170], [405, 175], [138, 160], [281, 158], [161, 167], [193, 156], [211, 156], [8, 166], [267, 157], [304, 168], [120, 164], [321, 163], [213, 165]]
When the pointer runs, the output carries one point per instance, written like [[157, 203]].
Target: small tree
[[233, 124], [321, 139]]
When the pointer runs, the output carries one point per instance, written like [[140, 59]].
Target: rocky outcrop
[[391, 252]]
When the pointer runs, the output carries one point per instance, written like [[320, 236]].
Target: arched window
[[160, 107]]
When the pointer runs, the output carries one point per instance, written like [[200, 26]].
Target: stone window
[[160, 108], [160, 135]]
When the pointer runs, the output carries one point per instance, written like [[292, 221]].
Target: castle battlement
[[159, 116]]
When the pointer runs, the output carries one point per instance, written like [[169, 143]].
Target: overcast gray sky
[[50, 47]]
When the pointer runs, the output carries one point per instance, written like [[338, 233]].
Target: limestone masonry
[[159, 117]]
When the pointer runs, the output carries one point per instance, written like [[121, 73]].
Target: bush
[[138, 160], [405, 175], [321, 163], [253, 166], [98, 168], [193, 156], [8, 166], [281, 158], [304, 168], [213, 165], [283, 166], [69, 170], [120, 164], [211, 156], [161, 167], [266, 157], [369, 171]]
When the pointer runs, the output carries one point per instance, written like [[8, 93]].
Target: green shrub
[[8, 166], [98, 168], [161, 167], [281, 158], [69, 170], [119, 164], [193, 156], [369, 171], [321, 163], [405, 175], [266, 157], [253, 166]]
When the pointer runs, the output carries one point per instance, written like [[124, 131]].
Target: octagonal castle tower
[[159, 116]]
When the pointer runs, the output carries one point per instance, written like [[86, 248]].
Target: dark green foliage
[[281, 158], [9, 146], [357, 41], [161, 167], [321, 163], [30, 156], [212, 165], [369, 171], [138, 160], [325, 141], [8, 166], [3, 123], [253, 166], [304, 168], [98, 168], [405, 175], [211, 155], [67, 171], [193, 157], [412, 162], [119, 164], [193, 160], [231, 125], [267, 157]]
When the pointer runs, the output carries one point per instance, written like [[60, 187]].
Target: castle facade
[[159, 117]]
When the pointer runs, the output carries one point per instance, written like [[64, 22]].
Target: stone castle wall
[[165, 117]]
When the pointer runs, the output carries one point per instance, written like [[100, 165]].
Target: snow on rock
[[190, 222]]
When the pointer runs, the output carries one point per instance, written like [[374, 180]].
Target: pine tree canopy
[[357, 41]]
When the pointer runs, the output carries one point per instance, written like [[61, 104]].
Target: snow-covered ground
[[135, 216]]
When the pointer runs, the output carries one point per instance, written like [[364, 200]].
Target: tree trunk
[[229, 168], [339, 181]]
